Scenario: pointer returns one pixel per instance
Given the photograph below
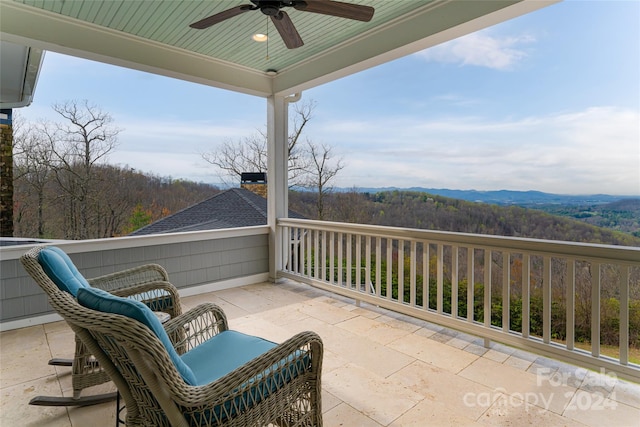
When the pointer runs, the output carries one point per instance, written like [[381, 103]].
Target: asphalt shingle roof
[[232, 208]]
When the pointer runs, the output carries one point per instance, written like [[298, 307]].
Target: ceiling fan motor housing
[[272, 7]]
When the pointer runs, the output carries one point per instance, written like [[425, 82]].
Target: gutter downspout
[[292, 99]]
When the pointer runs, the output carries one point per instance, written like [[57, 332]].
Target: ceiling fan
[[281, 20]]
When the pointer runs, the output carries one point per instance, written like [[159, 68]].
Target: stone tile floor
[[380, 369]]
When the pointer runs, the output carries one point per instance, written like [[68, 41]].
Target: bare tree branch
[[85, 139], [250, 154], [321, 170], [33, 160]]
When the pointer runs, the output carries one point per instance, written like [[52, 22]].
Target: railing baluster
[[367, 272], [323, 268], [302, 250], [506, 291], [470, 283], [412, 280], [487, 288], [526, 294], [348, 241], [625, 279], [340, 260], [378, 267], [440, 279], [285, 247], [425, 275], [316, 253], [296, 250], [595, 310], [389, 268], [401, 271], [309, 257], [546, 300], [487, 292], [358, 262], [290, 245], [454, 281], [332, 252], [571, 303]]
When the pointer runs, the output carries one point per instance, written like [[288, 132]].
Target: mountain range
[[505, 197]]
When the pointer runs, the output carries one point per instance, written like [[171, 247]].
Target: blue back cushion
[[61, 270], [97, 299]]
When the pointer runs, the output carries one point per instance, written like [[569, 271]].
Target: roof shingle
[[232, 208]]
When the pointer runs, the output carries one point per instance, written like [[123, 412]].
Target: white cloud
[[596, 150], [481, 49], [454, 99], [187, 165], [168, 131]]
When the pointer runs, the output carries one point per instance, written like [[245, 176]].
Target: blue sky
[[549, 101]]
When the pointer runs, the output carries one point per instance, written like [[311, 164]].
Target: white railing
[[571, 301]]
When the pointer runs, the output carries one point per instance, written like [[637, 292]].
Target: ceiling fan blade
[[336, 8], [219, 17], [287, 30]]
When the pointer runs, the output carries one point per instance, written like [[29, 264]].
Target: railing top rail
[[73, 246], [578, 250]]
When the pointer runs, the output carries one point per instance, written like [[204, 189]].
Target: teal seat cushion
[[223, 353], [61, 270], [97, 299], [228, 351]]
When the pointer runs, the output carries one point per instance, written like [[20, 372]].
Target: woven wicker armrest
[[293, 365], [130, 277], [159, 296], [196, 326]]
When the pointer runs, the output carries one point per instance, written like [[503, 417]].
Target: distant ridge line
[[503, 197]]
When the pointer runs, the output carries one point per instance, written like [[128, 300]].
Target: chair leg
[[70, 401], [118, 411], [76, 400], [60, 362]]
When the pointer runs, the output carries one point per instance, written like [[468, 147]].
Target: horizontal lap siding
[[188, 264]]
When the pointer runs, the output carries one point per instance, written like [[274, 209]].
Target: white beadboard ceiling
[[154, 36]]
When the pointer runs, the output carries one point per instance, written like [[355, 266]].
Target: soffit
[[20, 66]]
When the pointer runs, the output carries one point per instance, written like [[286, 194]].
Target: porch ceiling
[[155, 36]]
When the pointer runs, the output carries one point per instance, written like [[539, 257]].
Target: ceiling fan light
[[259, 37]]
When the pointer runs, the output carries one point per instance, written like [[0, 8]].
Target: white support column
[[277, 179]]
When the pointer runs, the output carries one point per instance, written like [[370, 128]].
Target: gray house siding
[[189, 262]]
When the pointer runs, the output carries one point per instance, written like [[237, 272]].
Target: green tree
[[138, 219]]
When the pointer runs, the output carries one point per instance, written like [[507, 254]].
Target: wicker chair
[[233, 380], [147, 283]]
